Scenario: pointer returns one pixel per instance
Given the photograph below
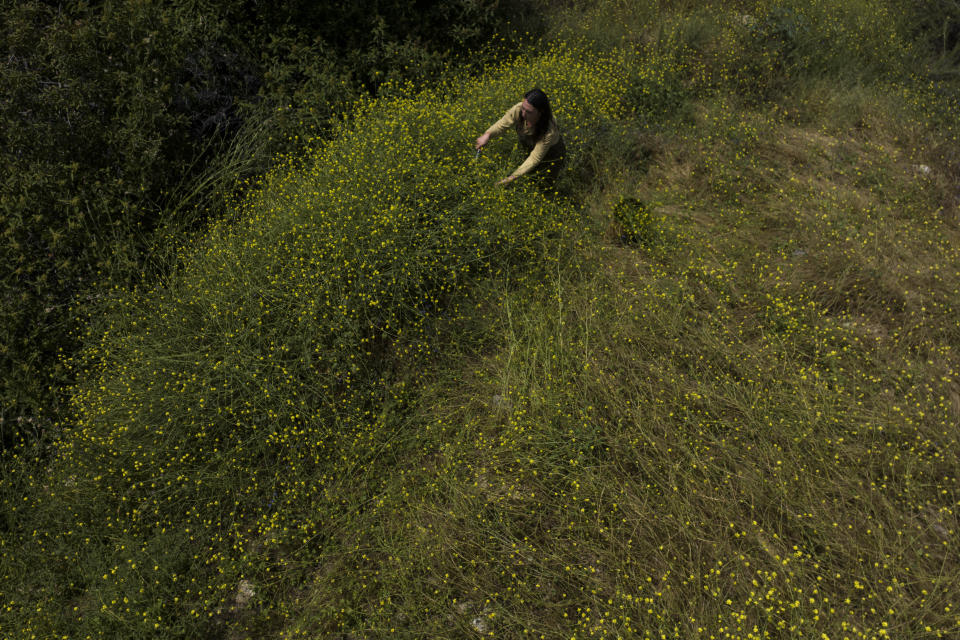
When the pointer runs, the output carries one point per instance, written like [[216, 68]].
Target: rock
[[501, 403], [245, 593], [480, 624]]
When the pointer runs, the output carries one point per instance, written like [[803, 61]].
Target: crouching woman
[[538, 133]]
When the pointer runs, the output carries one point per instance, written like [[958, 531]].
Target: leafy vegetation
[[116, 119], [707, 387]]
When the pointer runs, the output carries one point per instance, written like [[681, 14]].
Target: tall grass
[[227, 408], [705, 389]]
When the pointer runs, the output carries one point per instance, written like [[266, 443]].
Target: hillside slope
[[705, 388]]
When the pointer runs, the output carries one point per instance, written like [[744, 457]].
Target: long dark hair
[[539, 101]]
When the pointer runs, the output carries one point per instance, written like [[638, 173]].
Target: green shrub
[[935, 24], [105, 112], [115, 117], [635, 221], [641, 227]]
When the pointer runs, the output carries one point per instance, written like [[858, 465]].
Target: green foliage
[[103, 114], [268, 357], [380, 395], [319, 56], [114, 115], [659, 88], [772, 46], [641, 227], [634, 220], [781, 33], [936, 25]]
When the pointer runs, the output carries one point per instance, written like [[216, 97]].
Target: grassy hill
[[706, 387]]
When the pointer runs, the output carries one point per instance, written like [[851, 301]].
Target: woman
[[538, 133]]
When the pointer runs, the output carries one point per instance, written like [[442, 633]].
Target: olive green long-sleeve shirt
[[549, 148]]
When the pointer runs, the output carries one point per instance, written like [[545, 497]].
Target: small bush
[[639, 226]]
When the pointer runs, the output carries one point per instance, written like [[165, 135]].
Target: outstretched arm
[[508, 121]]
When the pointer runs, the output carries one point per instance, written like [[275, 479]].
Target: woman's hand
[[482, 140], [508, 180]]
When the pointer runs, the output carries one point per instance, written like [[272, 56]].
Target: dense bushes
[[111, 110], [102, 117], [936, 24]]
